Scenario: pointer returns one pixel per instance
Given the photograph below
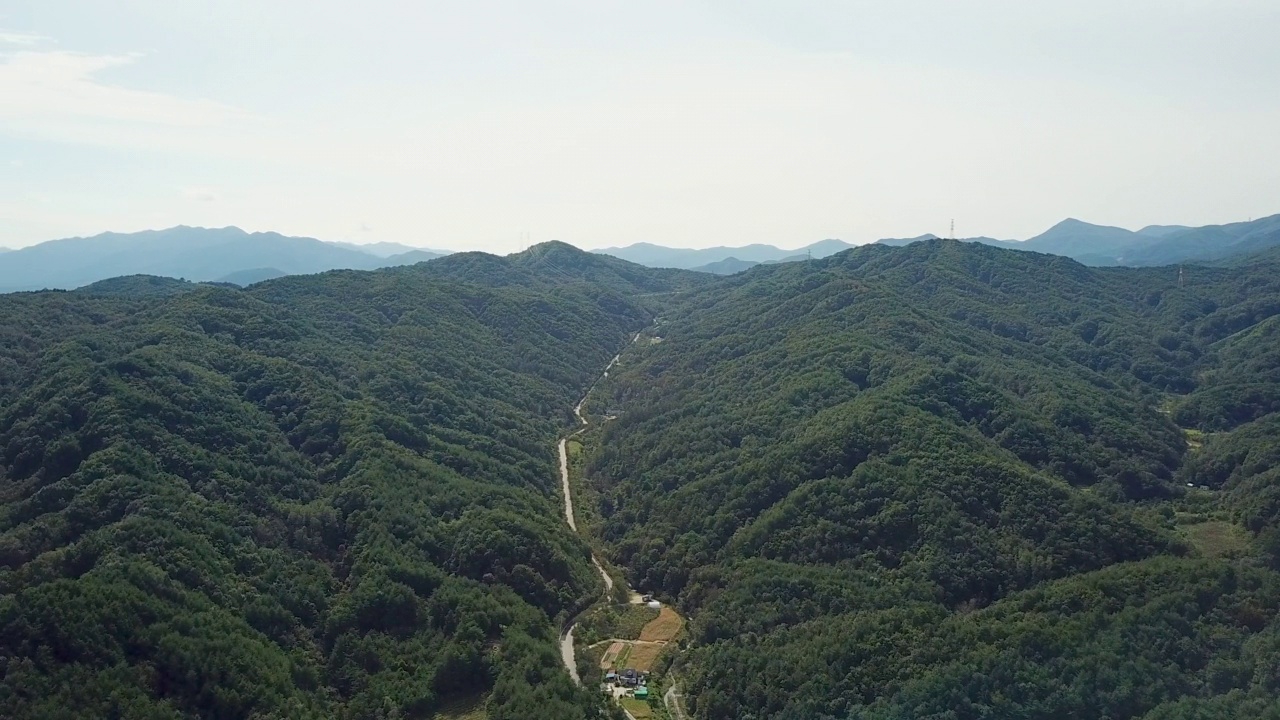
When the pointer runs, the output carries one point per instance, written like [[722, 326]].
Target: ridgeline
[[941, 480]]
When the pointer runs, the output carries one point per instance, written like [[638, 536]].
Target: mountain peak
[[1074, 224], [551, 249]]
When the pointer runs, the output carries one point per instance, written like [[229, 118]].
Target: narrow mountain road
[[672, 701], [672, 697], [566, 639]]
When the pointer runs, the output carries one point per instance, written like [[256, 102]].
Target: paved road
[[672, 697], [566, 640]]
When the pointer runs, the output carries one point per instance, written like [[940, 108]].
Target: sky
[[493, 124]]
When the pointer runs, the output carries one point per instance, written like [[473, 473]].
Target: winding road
[[672, 701], [566, 639], [672, 697]]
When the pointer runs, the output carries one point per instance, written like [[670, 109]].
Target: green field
[[638, 708], [1217, 538]]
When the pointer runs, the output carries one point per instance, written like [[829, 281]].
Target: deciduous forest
[[326, 496], [944, 481], [950, 481]]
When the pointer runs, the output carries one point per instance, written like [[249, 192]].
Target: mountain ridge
[[185, 252], [901, 481], [879, 484], [1096, 245]]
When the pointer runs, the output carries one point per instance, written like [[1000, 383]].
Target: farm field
[[663, 628]]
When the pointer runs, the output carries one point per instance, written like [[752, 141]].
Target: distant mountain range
[[1098, 245], [198, 254], [714, 259], [389, 249], [732, 265], [1152, 245], [231, 255], [253, 275]]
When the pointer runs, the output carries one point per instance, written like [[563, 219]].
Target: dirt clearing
[[664, 628], [639, 709], [643, 657], [610, 655]]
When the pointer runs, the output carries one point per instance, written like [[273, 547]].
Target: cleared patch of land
[[611, 655], [624, 622], [1195, 439], [638, 708], [1217, 538], [644, 657], [663, 628]]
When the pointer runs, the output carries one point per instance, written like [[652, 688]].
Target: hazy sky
[[471, 125]]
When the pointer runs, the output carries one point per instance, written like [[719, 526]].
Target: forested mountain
[[323, 496], [200, 254], [948, 480], [944, 480], [138, 286], [1213, 242]]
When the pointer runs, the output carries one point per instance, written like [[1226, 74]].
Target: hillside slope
[[324, 496], [904, 482]]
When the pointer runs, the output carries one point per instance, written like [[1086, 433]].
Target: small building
[[611, 677], [642, 693], [630, 677]]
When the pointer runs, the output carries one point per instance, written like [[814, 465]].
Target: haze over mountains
[[201, 254], [1097, 245], [231, 255]]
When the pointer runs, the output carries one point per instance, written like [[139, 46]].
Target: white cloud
[[41, 87], [9, 37]]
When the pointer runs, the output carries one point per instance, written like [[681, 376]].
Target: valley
[[637, 654], [639, 361], [943, 480]]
